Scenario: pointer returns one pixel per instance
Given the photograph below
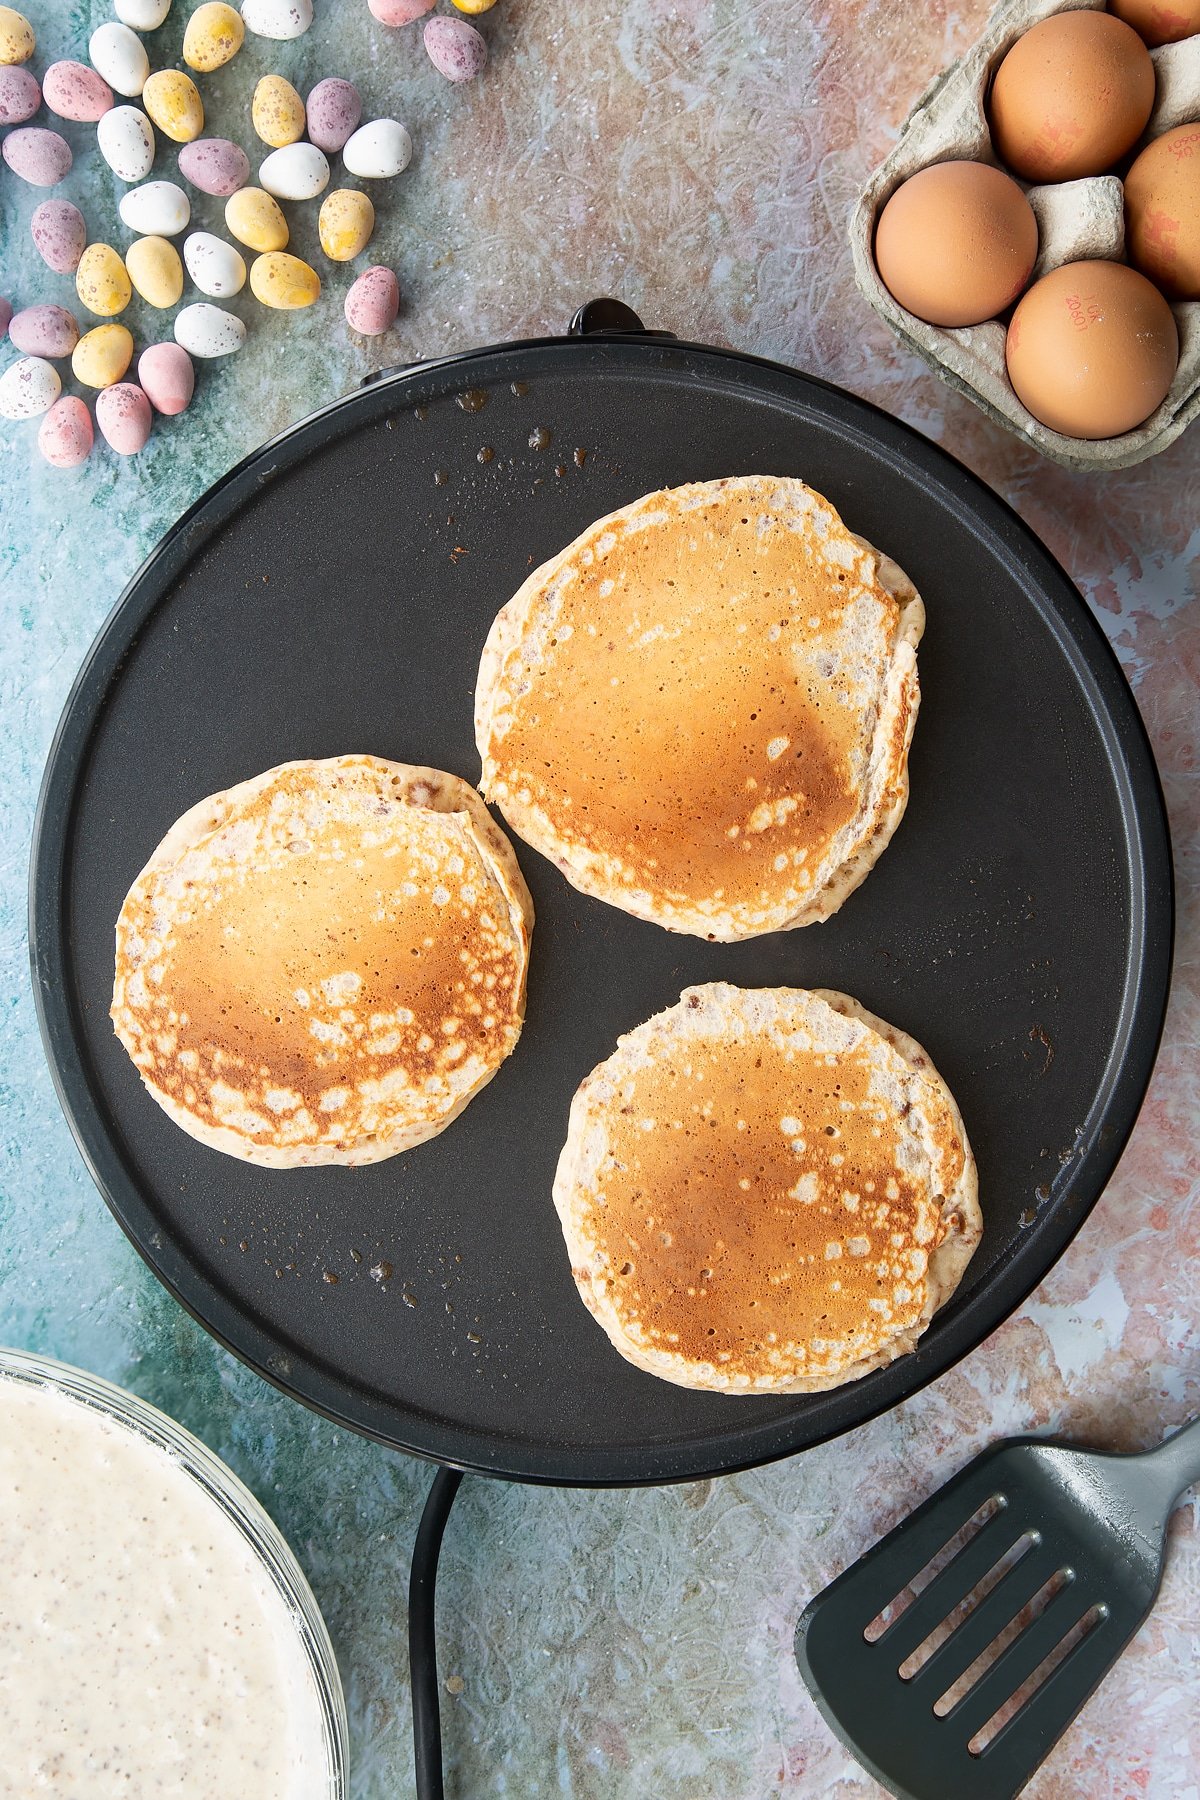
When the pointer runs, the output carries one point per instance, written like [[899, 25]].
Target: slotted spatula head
[[951, 1657]]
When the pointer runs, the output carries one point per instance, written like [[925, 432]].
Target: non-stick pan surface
[[331, 595]]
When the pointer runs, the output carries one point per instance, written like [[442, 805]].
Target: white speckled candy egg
[[74, 91], [123, 415], [38, 156], [29, 388], [277, 18], [20, 95], [44, 331], [173, 101], [155, 271], [126, 139], [167, 377], [65, 436], [102, 356], [102, 281], [455, 49], [215, 166], [373, 302], [59, 235], [215, 266], [215, 33], [142, 15], [333, 112], [378, 150], [298, 172], [17, 42], [204, 330], [156, 209], [120, 56]]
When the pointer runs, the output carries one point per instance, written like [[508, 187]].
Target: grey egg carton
[[1076, 220]]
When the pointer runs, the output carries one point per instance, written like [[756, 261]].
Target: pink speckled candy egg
[[455, 49], [59, 235], [74, 91], [44, 331], [20, 96], [167, 377], [123, 415], [373, 302], [65, 436], [333, 110], [400, 12], [215, 166], [38, 156]]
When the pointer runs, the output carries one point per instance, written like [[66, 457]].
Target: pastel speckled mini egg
[[399, 12], [126, 140], [283, 282], [215, 33], [277, 112], [256, 219], [455, 49], [65, 436], [124, 417], [17, 43], [102, 356], [20, 95], [345, 225], [142, 15], [215, 267], [28, 388], [102, 281], [59, 235], [156, 209], [38, 156], [333, 112], [155, 271], [378, 150], [173, 101], [215, 166], [119, 55], [74, 91], [167, 377], [373, 302], [49, 331], [208, 331], [280, 19], [298, 172]]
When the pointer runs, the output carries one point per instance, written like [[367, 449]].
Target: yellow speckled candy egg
[[346, 223], [215, 33], [155, 271], [283, 281], [256, 220], [102, 281], [173, 101], [102, 356], [474, 7], [277, 112], [16, 37]]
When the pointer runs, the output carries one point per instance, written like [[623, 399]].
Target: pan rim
[[1146, 855]]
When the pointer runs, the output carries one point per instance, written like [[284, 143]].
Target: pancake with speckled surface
[[766, 1191], [324, 964], [701, 709]]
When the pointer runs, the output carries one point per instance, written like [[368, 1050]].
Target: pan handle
[[606, 317]]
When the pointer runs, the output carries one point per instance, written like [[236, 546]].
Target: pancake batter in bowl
[[149, 1649]]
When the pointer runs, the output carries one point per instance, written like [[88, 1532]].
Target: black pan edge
[[748, 1443]]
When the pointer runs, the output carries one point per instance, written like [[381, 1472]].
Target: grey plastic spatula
[[952, 1656]]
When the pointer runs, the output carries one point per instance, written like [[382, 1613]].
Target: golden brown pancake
[[701, 710], [766, 1191], [326, 963]]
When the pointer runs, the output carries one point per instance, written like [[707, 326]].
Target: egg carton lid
[[1077, 221]]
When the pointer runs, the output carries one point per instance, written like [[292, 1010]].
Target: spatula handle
[[1178, 1459]]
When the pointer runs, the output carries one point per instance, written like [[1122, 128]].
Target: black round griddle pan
[[332, 594]]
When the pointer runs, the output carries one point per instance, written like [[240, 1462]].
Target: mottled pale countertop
[[698, 159]]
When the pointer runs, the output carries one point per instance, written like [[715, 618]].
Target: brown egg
[[1071, 97], [1159, 21], [1162, 212], [1092, 349], [956, 242]]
